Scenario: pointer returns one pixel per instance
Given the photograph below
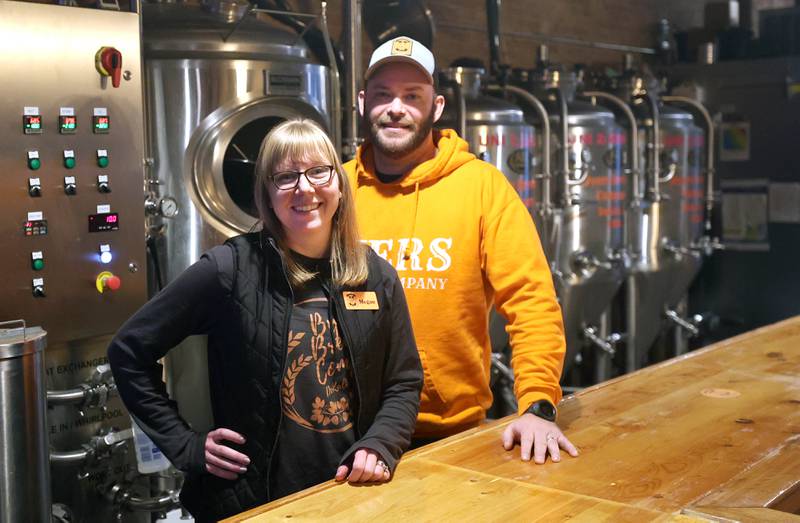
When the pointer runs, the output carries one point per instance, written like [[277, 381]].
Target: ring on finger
[[550, 437], [383, 465]]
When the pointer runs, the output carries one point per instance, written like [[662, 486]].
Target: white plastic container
[[149, 458]]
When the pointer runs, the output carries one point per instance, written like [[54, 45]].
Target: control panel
[[72, 164]]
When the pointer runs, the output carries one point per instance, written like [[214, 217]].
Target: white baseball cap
[[402, 49]]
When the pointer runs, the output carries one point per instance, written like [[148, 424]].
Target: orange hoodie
[[461, 239]]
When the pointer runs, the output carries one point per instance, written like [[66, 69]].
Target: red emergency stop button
[[106, 281]]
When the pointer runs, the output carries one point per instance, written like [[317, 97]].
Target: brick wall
[[461, 26]]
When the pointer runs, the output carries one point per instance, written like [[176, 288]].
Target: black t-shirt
[[388, 178], [317, 392]]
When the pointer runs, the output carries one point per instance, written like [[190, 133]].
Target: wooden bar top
[[714, 434]]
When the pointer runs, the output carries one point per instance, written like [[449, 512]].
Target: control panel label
[[100, 111], [66, 111], [36, 215], [30, 111], [103, 209]]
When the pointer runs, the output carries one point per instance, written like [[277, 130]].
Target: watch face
[[543, 409]]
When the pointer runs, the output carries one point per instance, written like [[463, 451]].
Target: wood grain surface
[[719, 427]]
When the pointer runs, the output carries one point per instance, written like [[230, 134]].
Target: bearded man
[[461, 240]]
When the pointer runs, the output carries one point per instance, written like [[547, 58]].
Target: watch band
[[543, 409]]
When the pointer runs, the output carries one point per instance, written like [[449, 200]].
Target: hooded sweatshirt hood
[[453, 152]]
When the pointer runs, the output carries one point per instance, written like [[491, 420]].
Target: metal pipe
[[563, 115], [336, 95], [541, 37], [655, 159], [67, 397], [631, 330], [710, 137], [352, 18], [634, 143], [162, 502], [69, 457], [547, 197], [461, 109], [493, 26]]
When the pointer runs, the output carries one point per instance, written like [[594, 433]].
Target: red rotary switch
[[108, 62], [106, 281]]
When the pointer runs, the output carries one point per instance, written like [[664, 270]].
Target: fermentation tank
[[666, 229], [213, 90], [585, 225]]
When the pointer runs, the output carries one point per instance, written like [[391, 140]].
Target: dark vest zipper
[[348, 342], [284, 350]]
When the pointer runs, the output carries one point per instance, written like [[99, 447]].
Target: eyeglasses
[[316, 176]]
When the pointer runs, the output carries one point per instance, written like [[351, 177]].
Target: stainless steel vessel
[[667, 226], [585, 227], [24, 461], [213, 91]]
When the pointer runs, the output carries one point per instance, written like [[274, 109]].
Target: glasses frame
[[300, 174]]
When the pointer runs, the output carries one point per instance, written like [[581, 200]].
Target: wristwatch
[[543, 409]]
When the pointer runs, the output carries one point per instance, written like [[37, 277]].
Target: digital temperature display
[[101, 124], [103, 222], [67, 124], [32, 124]]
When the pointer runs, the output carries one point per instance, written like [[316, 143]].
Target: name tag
[[360, 301]]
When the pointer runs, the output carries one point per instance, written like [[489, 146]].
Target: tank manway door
[[222, 157], [72, 163]]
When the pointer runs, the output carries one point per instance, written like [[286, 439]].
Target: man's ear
[[361, 98], [438, 107]]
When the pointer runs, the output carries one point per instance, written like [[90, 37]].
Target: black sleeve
[[187, 306], [391, 431]]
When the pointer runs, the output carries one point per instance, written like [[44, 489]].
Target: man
[[460, 239]]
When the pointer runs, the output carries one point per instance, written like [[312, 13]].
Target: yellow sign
[[360, 301], [402, 46]]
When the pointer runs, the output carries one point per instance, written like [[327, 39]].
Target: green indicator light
[[38, 264], [102, 161], [34, 164], [69, 163]]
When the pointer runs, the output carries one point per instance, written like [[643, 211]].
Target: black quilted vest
[[245, 360]]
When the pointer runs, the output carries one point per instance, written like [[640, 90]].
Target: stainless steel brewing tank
[[496, 131], [661, 231], [212, 95], [682, 147], [24, 460], [587, 230]]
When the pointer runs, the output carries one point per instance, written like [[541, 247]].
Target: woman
[[313, 368]]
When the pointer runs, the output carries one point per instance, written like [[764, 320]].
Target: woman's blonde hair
[[302, 139]]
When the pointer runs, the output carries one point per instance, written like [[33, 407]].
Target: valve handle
[[108, 62]]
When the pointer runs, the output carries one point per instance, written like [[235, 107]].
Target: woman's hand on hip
[[368, 466], [221, 460]]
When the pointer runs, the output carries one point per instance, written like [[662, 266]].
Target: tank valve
[[607, 345], [587, 262], [93, 393], [690, 326]]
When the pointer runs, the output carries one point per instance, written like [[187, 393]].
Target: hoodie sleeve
[[185, 307], [518, 272]]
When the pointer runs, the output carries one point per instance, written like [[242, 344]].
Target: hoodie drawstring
[[406, 254]]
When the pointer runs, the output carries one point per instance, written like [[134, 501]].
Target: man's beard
[[398, 148]]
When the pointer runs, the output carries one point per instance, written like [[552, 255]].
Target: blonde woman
[[314, 373]]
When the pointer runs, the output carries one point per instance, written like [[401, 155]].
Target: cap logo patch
[[402, 46]]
